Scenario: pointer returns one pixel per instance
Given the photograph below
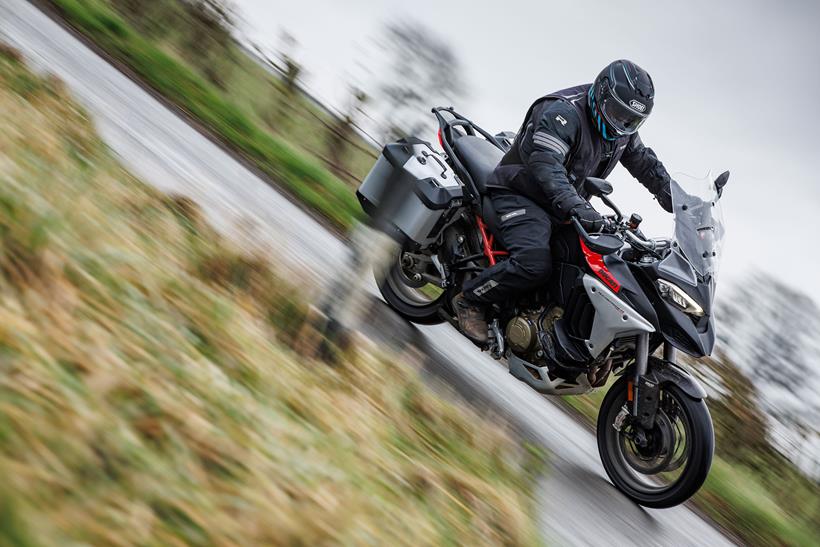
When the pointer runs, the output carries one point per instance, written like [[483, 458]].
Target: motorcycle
[[619, 303]]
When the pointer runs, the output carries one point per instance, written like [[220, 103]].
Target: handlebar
[[636, 241], [622, 230], [620, 227]]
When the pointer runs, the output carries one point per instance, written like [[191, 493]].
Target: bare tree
[[155, 19], [216, 17], [342, 130], [290, 75], [287, 86], [423, 69], [210, 37]]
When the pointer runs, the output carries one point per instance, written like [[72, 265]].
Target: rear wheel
[[666, 464], [410, 285]]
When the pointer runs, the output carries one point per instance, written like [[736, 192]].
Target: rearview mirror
[[597, 187], [721, 181]]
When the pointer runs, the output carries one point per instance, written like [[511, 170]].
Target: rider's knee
[[536, 263]]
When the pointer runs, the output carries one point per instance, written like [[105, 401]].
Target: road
[[577, 505]]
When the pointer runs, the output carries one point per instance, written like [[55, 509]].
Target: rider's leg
[[524, 229]]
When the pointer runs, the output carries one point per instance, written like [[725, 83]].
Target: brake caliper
[[618, 423]]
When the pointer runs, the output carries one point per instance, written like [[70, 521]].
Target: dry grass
[[148, 394]]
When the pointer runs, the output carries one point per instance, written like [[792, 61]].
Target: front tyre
[[662, 466], [414, 299]]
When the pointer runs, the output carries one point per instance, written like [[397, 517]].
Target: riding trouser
[[523, 229]]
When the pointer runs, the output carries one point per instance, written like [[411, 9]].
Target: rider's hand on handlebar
[[611, 225], [590, 219]]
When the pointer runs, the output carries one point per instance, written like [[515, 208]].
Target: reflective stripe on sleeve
[[545, 140]]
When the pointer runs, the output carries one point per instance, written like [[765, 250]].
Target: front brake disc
[[655, 458]]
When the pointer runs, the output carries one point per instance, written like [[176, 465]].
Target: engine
[[523, 332]]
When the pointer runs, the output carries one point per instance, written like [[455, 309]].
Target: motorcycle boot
[[471, 319]]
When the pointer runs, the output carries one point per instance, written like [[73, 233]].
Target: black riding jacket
[[558, 147]]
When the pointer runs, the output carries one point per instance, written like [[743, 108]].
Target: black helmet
[[621, 99]]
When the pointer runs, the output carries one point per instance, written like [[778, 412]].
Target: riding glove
[[590, 219]]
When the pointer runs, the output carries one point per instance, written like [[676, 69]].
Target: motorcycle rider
[[567, 136]]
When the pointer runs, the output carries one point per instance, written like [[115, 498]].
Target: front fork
[[644, 384], [643, 392]]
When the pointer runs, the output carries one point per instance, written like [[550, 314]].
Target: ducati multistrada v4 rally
[[619, 303]]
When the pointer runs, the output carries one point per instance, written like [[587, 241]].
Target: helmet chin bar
[[606, 136], [597, 119]]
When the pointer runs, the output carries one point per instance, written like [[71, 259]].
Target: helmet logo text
[[640, 107]]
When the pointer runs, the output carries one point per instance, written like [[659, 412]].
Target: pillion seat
[[479, 156]]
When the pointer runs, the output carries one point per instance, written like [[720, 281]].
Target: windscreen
[[699, 225]]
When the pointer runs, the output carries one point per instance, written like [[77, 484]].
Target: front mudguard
[[665, 372]]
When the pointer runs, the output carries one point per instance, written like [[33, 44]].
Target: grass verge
[[149, 394], [309, 182]]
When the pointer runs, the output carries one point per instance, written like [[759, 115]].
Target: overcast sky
[[737, 87]]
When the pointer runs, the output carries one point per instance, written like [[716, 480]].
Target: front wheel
[[662, 466], [406, 286]]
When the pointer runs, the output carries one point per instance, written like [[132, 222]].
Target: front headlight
[[675, 294]]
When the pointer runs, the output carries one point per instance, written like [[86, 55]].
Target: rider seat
[[479, 156]]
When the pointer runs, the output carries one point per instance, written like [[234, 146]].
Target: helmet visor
[[624, 119]]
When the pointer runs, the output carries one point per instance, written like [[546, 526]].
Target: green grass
[[151, 391], [587, 405], [252, 87], [311, 183], [736, 498]]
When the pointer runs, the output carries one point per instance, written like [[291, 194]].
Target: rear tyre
[[672, 461], [416, 301]]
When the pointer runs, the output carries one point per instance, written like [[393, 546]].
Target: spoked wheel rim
[[653, 460]]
